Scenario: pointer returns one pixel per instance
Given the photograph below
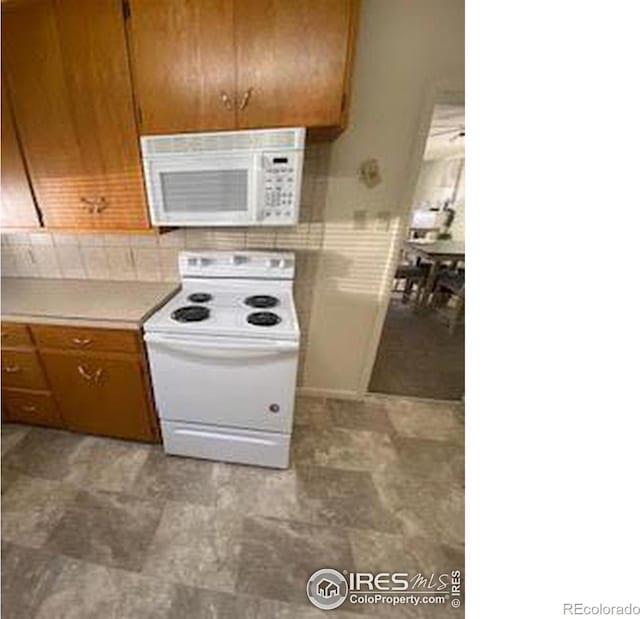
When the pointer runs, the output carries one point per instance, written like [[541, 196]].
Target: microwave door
[[203, 191]]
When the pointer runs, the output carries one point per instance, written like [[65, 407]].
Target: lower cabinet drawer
[[14, 334], [34, 408], [81, 338], [21, 368]]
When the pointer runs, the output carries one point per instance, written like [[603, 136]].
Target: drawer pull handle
[[12, 369], [82, 341], [88, 376], [95, 205], [29, 408]]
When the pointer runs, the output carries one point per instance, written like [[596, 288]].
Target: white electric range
[[223, 354]]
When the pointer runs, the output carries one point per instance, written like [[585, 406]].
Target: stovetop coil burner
[[191, 313], [263, 319], [200, 297], [261, 301]]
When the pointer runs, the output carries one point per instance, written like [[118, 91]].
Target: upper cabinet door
[[294, 61], [18, 208], [183, 61], [68, 76]]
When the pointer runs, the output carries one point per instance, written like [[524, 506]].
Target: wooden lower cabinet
[[91, 380], [101, 393], [33, 407]]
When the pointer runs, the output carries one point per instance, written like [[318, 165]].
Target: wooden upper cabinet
[[183, 60], [293, 61], [67, 71], [18, 209], [206, 65]]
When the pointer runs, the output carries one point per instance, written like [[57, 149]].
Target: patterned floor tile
[[84, 590], [342, 498], [32, 508], [440, 421], [365, 415], [255, 491], [8, 477], [11, 435], [107, 464], [196, 603], [28, 576], [312, 412], [175, 479], [197, 546], [106, 528], [44, 453], [434, 511], [277, 557], [436, 461], [356, 450]]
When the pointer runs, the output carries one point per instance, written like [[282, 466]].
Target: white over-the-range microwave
[[231, 178]]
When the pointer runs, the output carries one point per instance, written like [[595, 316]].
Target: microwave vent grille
[[213, 142]]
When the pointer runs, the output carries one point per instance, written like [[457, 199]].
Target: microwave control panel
[[282, 174]]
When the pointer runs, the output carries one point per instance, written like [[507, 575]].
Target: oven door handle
[[217, 349]]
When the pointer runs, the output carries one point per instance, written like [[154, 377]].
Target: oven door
[[201, 190], [241, 383]]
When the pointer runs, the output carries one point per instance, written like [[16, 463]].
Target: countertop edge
[[70, 321], [89, 322]]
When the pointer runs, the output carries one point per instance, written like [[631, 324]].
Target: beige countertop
[[82, 302]]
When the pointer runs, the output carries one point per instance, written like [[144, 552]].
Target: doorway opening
[[421, 350]]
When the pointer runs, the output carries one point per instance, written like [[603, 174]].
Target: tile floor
[[417, 356], [95, 527]]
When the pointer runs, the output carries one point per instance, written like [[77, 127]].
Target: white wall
[[406, 50], [436, 184]]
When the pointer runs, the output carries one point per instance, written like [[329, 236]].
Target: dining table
[[434, 252]]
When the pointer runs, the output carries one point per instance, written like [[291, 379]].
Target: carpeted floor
[[417, 356]]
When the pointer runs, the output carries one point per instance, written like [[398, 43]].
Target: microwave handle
[[260, 188]]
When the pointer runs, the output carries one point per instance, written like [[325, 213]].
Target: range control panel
[[282, 176], [237, 264]]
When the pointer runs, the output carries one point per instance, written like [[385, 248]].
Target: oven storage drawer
[[269, 449]]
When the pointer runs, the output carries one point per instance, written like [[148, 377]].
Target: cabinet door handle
[[12, 369], [95, 205], [93, 378], [226, 99], [28, 408], [245, 98], [82, 341]]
